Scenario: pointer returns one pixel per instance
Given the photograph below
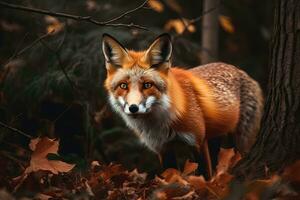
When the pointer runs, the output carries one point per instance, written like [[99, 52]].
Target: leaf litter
[[55, 179]]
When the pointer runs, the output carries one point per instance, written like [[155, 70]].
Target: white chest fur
[[154, 129]]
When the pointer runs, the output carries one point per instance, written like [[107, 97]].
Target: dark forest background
[[51, 82]]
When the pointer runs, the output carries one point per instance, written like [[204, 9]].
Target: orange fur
[[199, 104], [214, 121]]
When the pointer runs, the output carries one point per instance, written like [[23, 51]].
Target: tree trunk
[[210, 31], [278, 142]]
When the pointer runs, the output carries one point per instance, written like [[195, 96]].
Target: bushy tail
[[251, 108]]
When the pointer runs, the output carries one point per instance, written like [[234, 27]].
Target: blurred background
[[52, 69]]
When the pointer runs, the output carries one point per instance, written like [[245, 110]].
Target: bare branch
[[14, 130], [88, 19]]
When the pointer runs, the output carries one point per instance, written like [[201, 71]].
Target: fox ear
[[114, 52], [160, 51]]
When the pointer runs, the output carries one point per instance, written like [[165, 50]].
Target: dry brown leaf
[[226, 24], [41, 147], [219, 186], [179, 25], [235, 159], [54, 26], [189, 167], [198, 182], [178, 179], [172, 191], [138, 177], [168, 173], [156, 5], [224, 160], [173, 176], [111, 170], [161, 195]]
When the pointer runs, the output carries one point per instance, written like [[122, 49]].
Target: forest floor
[[44, 178]]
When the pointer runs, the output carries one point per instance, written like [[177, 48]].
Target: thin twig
[[15, 130], [17, 54], [88, 19], [126, 13], [32, 44], [194, 20], [62, 113], [16, 50], [72, 84]]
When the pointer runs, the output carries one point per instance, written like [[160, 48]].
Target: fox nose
[[133, 108]]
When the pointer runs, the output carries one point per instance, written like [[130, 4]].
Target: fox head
[[137, 82]]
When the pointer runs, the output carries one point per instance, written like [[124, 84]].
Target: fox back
[[159, 102]]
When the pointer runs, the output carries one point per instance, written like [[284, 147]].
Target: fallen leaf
[[168, 173], [226, 24], [111, 170], [224, 160], [219, 186], [198, 182], [189, 167], [172, 191], [235, 159], [173, 176], [41, 147], [138, 177]]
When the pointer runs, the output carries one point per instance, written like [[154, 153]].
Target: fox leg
[[167, 157], [205, 151], [202, 149], [228, 141]]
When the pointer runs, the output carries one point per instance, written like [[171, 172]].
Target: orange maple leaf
[[41, 147]]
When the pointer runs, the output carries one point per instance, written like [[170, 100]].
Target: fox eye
[[147, 85], [123, 86]]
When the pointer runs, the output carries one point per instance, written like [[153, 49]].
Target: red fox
[[159, 102]]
